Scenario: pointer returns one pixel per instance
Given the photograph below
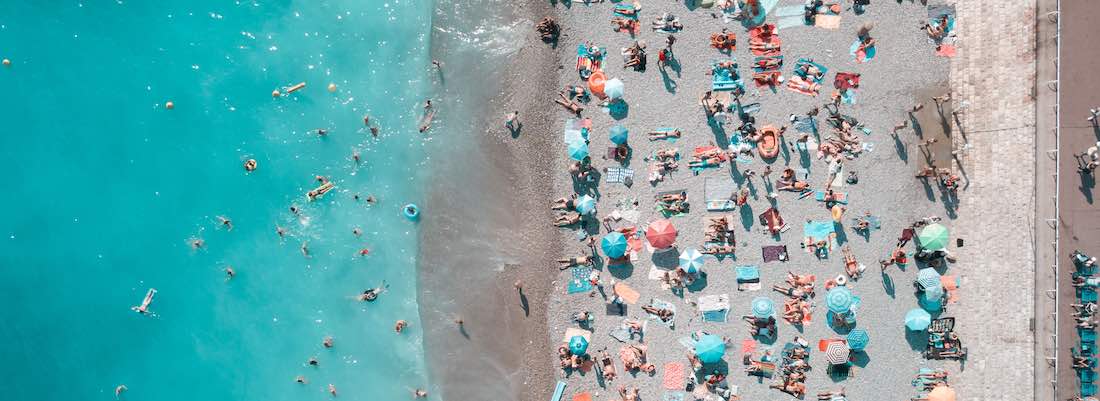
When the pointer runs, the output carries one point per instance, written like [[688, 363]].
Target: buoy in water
[[411, 211], [275, 93], [332, 88], [169, 105], [7, 62]]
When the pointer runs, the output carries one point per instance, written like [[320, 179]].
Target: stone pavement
[[993, 77]]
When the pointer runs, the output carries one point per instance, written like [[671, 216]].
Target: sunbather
[[678, 197], [567, 219], [628, 395], [624, 24], [668, 26], [853, 268], [676, 207], [655, 135], [548, 29], [144, 307], [607, 366], [791, 387], [662, 313], [629, 11], [694, 360], [723, 40], [793, 185], [810, 71], [939, 29], [569, 104], [577, 261], [1080, 362], [719, 250], [829, 395], [800, 279]]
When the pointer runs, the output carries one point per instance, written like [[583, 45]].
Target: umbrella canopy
[[585, 204], [837, 352], [763, 307], [917, 319], [613, 88], [932, 299], [933, 237], [839, 300], [691, 260], [618, 134], [710, 348], [929, 278], [578, 150], [858, 339], [661, 234], [614, 245], [578, 345], [942, 393]]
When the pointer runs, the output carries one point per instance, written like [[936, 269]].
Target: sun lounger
[[1087, 335], [559, 391], [1086, 376], [1088, 295], [841, 197]]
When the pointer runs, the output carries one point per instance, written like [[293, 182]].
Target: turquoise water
[[105, 187]]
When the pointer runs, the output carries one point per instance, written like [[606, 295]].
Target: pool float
[[411, 211], [768, 146]]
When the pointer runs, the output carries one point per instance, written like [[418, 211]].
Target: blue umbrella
[[932, 299], [578, 345], [614, 245], [618, 134], [578, 150], [858, 339], [763, 307], [613, 88], [691, 260], [929, 278], [839, 300], [710, 348], [917, 319], [585, 204]]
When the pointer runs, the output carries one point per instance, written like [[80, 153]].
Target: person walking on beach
[[1093, 115], [511, 121]]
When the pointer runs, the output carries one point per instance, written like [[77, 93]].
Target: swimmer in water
[[305, 249], [313, 361], [119, 390], [374, 131], [427, 104], [355, 157], [419, 393], [280, 230], [228, 224], [250, 165], [322, 132], [294, 209], [229, 273], [327, 342], [357, 231], [400, 325], [196, 243], [332, 390], [300, 379], [366, 120], [144, 308], [364, 252], [371, 294], [371, 200]]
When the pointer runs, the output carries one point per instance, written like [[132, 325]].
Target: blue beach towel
[[674, 396], [819, 230], [559, 391], [579, 281]]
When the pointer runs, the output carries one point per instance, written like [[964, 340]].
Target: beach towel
[[559, 391], [674, 376], [801, 85], [715, 308], [622, 8], [951, 286], [659, 304], [861, 56], [841, 197], [819, 230], [582, 397], [827, 21], [790, 22], [717, 193], [579, 281], [748, 278], [945, 50], [846, 80], [619, 175], [774, 253], [674, 396], [628, 294], [573, 332], [763, 369], [807, 62], [748, 346]]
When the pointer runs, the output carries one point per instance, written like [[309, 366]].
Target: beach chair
[[1087, 375]]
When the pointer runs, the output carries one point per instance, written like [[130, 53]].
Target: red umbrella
[[661, 234]]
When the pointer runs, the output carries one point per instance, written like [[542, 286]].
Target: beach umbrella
[[614, 245], [661, 234], [710, 348], [839, 300], [578, 150], [942, 393], [585, 204], [932, 299], [933, 237], [691, 260], [837, 352], [618, 134], [613, 88], [578, 345], [929, 278], [763, 307], [858, 339], [917, 319]]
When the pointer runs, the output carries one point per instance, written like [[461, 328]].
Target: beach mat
[[573, 331], [674, 396], [774, 253], [579, 280], [674, 376], [717, 194], [827, 21], [842, 197], [585, 396], [946, 50], [748, 278], [715, 308], [628, 294], [619, 175]]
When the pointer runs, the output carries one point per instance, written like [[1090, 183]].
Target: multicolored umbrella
[[710, 348], [858, 339], [585, 204], [578, 150], [614, 245], [613, 88], [837, 353], [933, 237], [942, 393], [763, 307], [578, 345], [661, 234], [917, 319], [839, 300], [618, 134], [929, 278], [691, 260]]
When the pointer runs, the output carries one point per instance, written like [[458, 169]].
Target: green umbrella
[[763, 307], [839, 300], [710, 348], [614, 245], [933, 237], [917, 319], [578, 150], [858, 339], [578, 345]]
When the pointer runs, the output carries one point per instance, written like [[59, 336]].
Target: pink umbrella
[[661, 234]]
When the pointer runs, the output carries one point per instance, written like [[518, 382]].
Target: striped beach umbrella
[[578, 345], [917, 319], [661, 234], [933, 237], [618, 134], [929, 278], [858, 339], [837, 353], [578, 150], [839, 300], [763, 307], [710, 348], [585, 204], [614, 245], [691, 260]]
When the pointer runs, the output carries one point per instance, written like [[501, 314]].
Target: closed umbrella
[[942, 393], [837, 353], [763, 307], [710, 348], [917, 319], [585, 204], [578, 150], [691, 260], [661, 234], [614, 245], [858, 339], [618, 134], [933, 237], [839, 300], [928, 278], [613, 88], [578, 345]]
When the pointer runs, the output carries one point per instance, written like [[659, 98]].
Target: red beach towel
[[674, 376]]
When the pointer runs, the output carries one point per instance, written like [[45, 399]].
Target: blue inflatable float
[[411, 211]]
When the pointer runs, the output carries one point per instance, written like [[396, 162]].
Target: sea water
[[107, 189]]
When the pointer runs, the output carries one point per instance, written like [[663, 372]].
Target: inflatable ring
[[411, 211]]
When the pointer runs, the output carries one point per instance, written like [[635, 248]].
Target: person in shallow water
[[371, 294]]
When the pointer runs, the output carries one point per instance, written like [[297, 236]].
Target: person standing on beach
[[511, 121]]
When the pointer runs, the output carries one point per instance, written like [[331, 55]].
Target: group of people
[[792, 375], [799, 289]]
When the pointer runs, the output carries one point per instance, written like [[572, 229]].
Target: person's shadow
[[523, 303], [515, 129], [1088, 182], [899, 146]]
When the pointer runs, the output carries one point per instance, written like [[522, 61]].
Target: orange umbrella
[[595, 83], [661, 234], [942, 393]]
